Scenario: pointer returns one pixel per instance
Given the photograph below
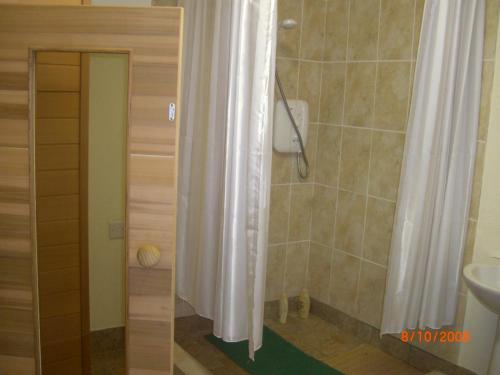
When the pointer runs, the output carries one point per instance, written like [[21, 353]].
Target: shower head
[[288, 24]]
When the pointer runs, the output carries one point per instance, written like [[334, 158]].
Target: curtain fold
[[436, 180], [225, 163]]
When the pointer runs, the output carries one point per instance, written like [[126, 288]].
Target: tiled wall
[[353, 61], [299, 62]]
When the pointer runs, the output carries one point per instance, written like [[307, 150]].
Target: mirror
[[80, 177]]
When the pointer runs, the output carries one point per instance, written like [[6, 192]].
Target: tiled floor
[[108, 363], [107, 351], [314, 336]]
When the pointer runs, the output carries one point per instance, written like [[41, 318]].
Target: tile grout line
[[275, 244], [339, 163], [334, 187], [362, 259], [325, 11], [349, 61], [284, 285], [350, 254], [412, 70], [363, 128]]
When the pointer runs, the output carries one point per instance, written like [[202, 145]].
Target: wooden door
[[152, 38]]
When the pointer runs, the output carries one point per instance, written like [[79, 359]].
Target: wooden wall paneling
[[68, 366], [57, 129], [60, 256], [58, 233], [60, 327], [62, 207], [152, 37], [58, 58], [60, 104], [58, 77], [13, 133], [57, 351], [57, 157], [57, 182], [17, 325], [42, 2], [84, 206]]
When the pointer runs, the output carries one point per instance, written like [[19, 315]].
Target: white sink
[[483, 280]]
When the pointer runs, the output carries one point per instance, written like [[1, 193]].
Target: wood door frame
[[153, 39], [83, 194], [83, 198]]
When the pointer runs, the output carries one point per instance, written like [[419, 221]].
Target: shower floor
[[313, 336]]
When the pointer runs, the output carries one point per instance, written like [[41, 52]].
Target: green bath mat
[[275, 357]]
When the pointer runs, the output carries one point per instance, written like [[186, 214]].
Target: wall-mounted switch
[[116, 230], [171, 112]]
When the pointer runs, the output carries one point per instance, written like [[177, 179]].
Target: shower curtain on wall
[[436, 180], [225, 163]]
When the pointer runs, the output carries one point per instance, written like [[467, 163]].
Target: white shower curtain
[[436, 180], [225, 163]]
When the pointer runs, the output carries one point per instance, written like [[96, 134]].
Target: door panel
[[152, 37]]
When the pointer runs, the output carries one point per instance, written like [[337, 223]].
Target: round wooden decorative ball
[[148, 256]]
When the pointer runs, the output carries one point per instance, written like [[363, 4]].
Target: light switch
[[116, 230]]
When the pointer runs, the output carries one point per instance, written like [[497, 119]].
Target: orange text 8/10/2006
[[435, 336]]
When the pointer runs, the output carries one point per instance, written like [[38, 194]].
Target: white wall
[[107, 139]]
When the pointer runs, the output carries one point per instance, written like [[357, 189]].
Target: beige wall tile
[[278, 213], [355, 159], [332, 93], [363, 29], [396, 29], [311, 146], [327, 158], [323, 214], [385, 167], [469, 242], [490, 37], [312, 207], [378, 231], [371, 293], [344, 282], [281, 167], [309, 86], [289, 76], [313, 30], [300, 212], [484, 112], [275, 272], [477, 182], [349, 222], [336, 30], [419, 13], [319, 271], [410, 91], [296, 266], [391, 98], [289, 40], [360, 88]]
